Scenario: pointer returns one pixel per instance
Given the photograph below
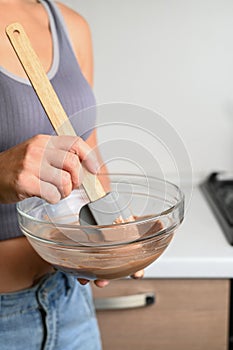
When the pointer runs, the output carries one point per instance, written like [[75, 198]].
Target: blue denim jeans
[[55, 314]]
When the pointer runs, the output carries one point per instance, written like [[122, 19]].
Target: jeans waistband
[[51, 285]]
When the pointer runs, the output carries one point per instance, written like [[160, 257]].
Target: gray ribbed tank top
[[21, 115]]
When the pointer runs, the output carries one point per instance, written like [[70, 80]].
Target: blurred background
[[174, 58]]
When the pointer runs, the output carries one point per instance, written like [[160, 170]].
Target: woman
[[41, 308]]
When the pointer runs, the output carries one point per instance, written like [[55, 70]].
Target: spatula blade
[[107, 210]]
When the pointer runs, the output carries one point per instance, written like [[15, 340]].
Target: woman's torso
[[20, 266]]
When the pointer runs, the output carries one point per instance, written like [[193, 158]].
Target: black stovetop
[[218, 190]]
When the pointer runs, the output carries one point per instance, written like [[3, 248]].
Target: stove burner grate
[[218, 190]]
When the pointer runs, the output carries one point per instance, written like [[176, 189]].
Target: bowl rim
[[180, 201]]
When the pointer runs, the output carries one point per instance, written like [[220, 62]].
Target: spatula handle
[[48, 98]]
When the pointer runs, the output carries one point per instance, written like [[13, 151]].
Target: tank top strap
[[59, 30]]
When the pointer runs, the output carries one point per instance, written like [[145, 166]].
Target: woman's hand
[[98, 283], [104, 283], [45, 166]]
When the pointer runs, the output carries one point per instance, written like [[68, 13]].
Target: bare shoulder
[[74, 20], [80, 35]]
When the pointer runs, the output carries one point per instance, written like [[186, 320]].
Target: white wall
[[174, 57]]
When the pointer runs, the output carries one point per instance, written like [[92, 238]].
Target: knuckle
[[29, 147], [52, 196], [65, 180], [78, 177], [30, 150], [39, 138], [73, 161], [66, 186], [78, 140], [33, 154], [42, 141], [78, 143]]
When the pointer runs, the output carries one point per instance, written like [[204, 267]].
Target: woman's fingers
[[98, 283], [38, 188], [138, 274], [101, 283], [62, 168], [104, 283], [79, 147], [70, 153], [69, 162], [49, 192], [46, 166], [83, 281]]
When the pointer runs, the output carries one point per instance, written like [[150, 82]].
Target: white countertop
[[199, 248]]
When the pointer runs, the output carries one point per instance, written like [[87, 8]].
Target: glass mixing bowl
[[105, 252]]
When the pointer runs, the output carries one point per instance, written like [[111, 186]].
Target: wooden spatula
[[104, 208]]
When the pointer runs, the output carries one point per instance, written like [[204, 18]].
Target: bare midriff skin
[[20, 266]]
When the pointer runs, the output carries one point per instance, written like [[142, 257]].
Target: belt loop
[[69, 282]]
